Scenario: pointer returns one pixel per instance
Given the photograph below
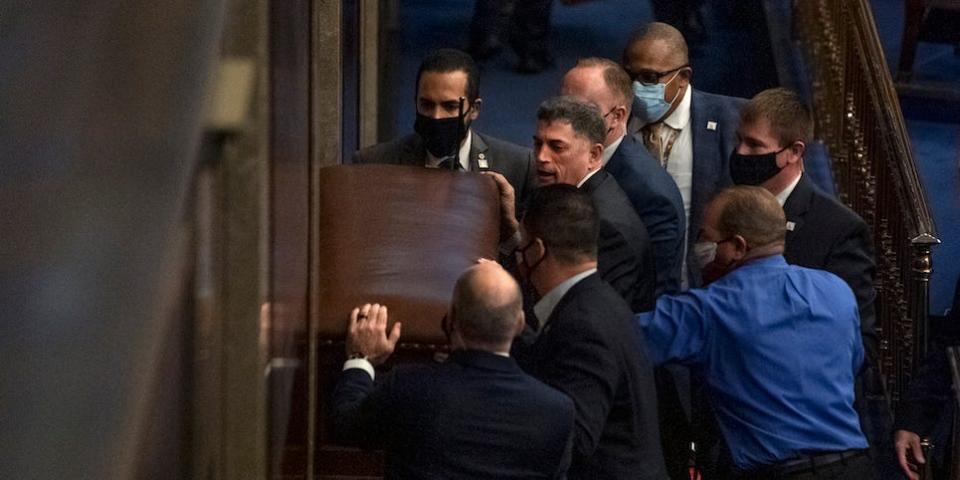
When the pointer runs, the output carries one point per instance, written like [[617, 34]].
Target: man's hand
[[905, 441], [367, 333], [508, 210]]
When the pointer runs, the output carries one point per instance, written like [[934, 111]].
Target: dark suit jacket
[[714, 120], [475, 416], [658, 203], [588, 350], [513, 161], [829, 236], [624, 253]]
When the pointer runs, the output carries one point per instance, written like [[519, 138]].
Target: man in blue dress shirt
[[779, 346]]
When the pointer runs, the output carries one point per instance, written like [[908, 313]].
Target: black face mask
[[753, 169], [441, 136]]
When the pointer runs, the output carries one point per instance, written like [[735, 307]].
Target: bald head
[[658, 40], [487, 307], [604, 83], [751, 212], [600, 81]]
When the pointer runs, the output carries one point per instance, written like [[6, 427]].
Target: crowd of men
[[688, 283]]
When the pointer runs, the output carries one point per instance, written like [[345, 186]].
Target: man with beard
[[779, 346], [448, 101], [585, 345]]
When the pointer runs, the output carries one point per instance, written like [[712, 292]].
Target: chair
[[928, 21]]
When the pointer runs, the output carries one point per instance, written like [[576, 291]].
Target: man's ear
[[798, 148], [685, 75], [540, 247], [475, 110], [740, 246], [596, 156], [521, 324], [620, 113]]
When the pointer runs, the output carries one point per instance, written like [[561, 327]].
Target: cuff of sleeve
[[362, 364]]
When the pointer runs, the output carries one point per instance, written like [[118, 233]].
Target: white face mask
[[704, 253]]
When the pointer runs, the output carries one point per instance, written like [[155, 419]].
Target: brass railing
[[859, 120]]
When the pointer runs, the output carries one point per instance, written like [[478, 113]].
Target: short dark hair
[[447, 60], [584, 118], [565, 219], [663, 32], [789, 117]]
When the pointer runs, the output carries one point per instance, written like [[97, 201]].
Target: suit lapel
[[413, 152], [480, 159], [594, 182], [797, 205], [703, 140], [568, 297]]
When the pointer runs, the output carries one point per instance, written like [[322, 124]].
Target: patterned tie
[[653, 138]]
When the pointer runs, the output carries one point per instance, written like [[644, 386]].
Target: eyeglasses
[[650, 77]]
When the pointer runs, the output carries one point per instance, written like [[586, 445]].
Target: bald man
[[436, 421], [651, 191], [691, 133], [779, 346]]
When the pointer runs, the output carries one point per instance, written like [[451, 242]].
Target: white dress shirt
[[785, 194], [680, 165], [544, 308], [610, 149], [680, 161], [587, 177]]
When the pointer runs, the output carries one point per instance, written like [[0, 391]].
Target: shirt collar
[[785, 194], [609, 150], [587, 177], [544, 308], [680, 117], [463, 154]]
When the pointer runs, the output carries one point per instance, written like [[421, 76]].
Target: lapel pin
[[711, 125], [790, 226], [482, 161]]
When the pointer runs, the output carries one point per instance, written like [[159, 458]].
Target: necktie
[[659, 138], [446, 164]]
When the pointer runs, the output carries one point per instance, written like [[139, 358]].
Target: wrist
[[356, 356]]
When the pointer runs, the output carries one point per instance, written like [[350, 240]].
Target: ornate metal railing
[[859, 120]]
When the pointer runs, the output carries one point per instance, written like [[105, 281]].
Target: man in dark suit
[[585, 346], [652, 192], [691, 133], [448, 101], [775, 129], [822, 233], [568, 147], [475, 416]]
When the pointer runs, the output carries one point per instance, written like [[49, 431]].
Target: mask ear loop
[[671, 81], [460, 115]]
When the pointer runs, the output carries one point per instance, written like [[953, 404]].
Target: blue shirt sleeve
[[676, 330]]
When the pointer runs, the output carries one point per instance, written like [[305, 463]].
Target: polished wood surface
[[400, 236]]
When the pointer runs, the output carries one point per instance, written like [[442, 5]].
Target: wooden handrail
[[860, 122]]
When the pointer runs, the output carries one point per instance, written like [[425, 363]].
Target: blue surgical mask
[[651, 102]]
